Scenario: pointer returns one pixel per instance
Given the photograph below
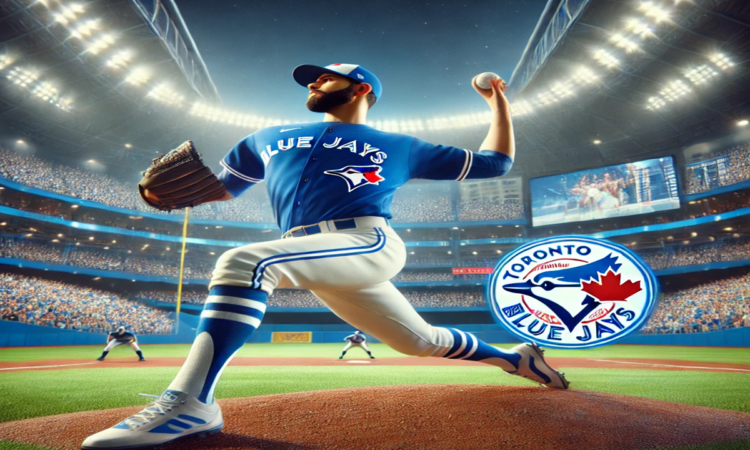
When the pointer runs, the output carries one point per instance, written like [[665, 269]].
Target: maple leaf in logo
[[609, 288]]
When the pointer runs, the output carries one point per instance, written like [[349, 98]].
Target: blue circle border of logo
[[652, 291]]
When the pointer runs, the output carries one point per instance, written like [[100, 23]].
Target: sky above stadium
[[425, 53]]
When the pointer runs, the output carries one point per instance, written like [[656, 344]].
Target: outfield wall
[[14, 334]]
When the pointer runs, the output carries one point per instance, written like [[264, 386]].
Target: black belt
[[343, 224]]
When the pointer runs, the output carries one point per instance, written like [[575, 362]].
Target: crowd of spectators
[[445, 299], [297, 298], [481, 210], [252, 206], [167, 264], [410, 276], [424, 202], [738, 164], [111, 260], [414, 260], [712, 306], [193, 297], [37, 301], [725, 250], [657, 259]]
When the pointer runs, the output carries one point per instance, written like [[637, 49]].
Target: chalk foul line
[[45, 367], [669, 365]]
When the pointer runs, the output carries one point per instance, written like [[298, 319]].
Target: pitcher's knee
[[235, 267]]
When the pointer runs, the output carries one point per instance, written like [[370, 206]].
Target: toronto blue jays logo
[[358, 176], [572, 292]]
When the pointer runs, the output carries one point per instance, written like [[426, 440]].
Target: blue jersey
[[330, 170]]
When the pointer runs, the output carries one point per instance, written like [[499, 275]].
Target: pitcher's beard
[[326, 101]]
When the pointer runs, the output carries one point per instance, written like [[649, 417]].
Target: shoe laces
[[158, 408]]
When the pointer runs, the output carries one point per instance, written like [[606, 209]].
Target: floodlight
[[655, 103], [624, 43], [138, 76], [743, 123], [674, 90], [639, 27], [120, 59], [5, 61], [20, 141], [101, 43], [597, 141], [721, 61], [701, 74], [521, 108], [606, 59], [654, 11]]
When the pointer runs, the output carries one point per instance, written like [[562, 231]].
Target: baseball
[[483, 79]]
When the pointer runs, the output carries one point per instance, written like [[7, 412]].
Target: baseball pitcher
[[331, 184], [119, 337], [357, 339]]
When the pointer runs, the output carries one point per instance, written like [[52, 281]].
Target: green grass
[[736, 445], [92, 389], [699, 354], [7, 445]]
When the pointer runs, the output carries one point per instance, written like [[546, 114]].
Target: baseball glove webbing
[[179, 179]]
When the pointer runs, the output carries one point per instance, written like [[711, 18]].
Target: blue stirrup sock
[[229, 317], [467, 346]]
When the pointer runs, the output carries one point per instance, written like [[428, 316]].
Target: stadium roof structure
[[84, 79], [605, 82]]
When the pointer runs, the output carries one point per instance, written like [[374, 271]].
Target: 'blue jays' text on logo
[[572, 292], [358, 176]]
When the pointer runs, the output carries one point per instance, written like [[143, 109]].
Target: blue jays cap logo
[[572, 292], [358, 176]]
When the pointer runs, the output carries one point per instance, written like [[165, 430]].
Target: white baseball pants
[[349, 271], [113, 343]]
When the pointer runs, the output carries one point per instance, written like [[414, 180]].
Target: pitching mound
[[421, 417]]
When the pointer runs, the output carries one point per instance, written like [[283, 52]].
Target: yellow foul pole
[[182, 269]]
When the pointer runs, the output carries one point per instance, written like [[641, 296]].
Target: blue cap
[[306, 74]]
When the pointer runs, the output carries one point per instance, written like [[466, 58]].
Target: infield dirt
[[426, 417]]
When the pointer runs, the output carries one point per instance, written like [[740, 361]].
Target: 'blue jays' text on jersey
[[331, 170]]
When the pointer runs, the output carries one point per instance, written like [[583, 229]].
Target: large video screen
[[614, 191]]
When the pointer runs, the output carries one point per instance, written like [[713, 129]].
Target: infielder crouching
[[356, 340], [331, 184], [119, 337]]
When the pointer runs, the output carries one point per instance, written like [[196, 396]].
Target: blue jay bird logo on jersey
[[572, 292], [358, 176]]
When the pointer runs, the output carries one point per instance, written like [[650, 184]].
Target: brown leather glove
[[179, 179]]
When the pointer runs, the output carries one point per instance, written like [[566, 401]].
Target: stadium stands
[[482, 210], [37, 301], [738, 162], [293, 298], [716, 305], [423, 203]]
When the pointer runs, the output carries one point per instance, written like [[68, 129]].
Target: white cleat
[[532, 366], [172, 416]]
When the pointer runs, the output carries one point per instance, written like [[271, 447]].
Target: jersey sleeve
[[242, 167], [441, 162]]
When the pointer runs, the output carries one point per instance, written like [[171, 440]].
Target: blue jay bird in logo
[[358, 176], [541, 286]]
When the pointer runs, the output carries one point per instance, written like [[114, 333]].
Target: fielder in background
[[331, 184], [119, 337], [356, 340]]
